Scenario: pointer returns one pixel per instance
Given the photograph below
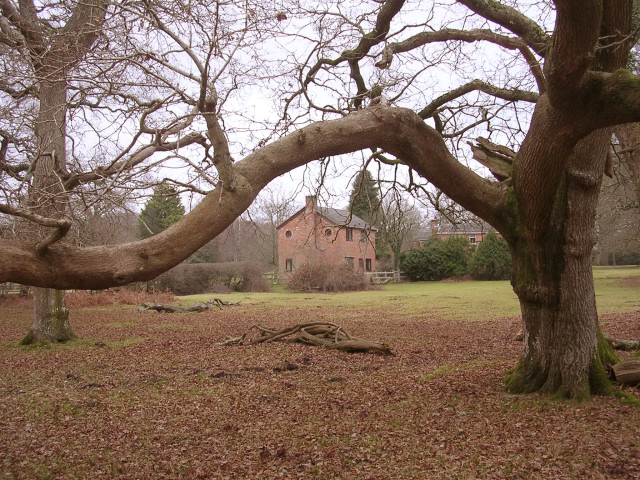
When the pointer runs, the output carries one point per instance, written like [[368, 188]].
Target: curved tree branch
[[383, 22], [512, 20], [479, 85], [399, 131], [475, 35]]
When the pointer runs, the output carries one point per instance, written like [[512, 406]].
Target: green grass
[[613, 293], [469, 300]]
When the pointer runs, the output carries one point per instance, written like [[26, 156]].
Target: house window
[[472, 240], [288, 265], [288, 234], [349, 234], [328, 232], [368, 264], [349, 261]]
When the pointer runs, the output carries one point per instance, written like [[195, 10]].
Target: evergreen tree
[[492, 259], [437, 259], [162, 210], [364, 200]]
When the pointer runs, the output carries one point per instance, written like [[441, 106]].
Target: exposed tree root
[[196, 307], [320, 334]]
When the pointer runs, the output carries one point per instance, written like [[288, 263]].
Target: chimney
[[434, 226], [311, 203]]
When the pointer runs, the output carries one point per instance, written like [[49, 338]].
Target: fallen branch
[[628, 372], [624, 345], [321, 334], [196, 307], [616, 344]]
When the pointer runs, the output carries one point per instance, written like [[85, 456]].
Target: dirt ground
[[148, 395]]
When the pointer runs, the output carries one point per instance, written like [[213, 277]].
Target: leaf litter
[[152, 396]]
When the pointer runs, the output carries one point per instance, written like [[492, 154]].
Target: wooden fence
[[376, 277], [386, 277]]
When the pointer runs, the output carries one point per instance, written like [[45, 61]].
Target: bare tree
[[400, 222], [272, 209], [618, 212], [365, 77], [96, 99]]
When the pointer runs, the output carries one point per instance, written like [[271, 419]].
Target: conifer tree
[[364, 200], [161, 211]]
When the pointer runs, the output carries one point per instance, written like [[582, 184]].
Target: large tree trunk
[[50, 313], [50, 317], [563, 351]]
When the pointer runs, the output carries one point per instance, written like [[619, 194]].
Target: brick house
[[473, 229], [319, 235]]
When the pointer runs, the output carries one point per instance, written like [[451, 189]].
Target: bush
[[121, 296], [193, 278], [437, 259], [625, 258], [491, 260], [96, 298], [327, 278]]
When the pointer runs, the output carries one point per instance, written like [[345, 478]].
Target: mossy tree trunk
[[563, 351], [53, 53], [50, 318], [47, 195]]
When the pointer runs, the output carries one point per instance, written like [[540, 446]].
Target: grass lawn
[[144, 395], [617, 290]]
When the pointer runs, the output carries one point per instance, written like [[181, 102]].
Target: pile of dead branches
[[321, 334], [196, 307]]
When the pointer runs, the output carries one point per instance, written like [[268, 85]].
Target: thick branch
[[383, 22], [398, 131], [497, 158], [83, 27], [25, 21], [573, 48], [505, 94], [512, 20], [221, 154], [475, 35]]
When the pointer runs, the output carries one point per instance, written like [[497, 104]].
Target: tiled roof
[[343, 218], [338, 217], [468, 227]]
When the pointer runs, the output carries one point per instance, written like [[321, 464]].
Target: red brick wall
[[310, 243]]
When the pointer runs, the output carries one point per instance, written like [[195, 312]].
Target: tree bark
[[563, 351], [50, 313], [50, 318], [53, 54]]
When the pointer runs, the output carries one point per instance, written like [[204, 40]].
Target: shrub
[[437, 259], [192, 278], [491, 260], [327, 278], [121, 296], [96, 298]]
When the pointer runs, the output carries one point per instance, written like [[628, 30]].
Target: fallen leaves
[[150, 402]]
